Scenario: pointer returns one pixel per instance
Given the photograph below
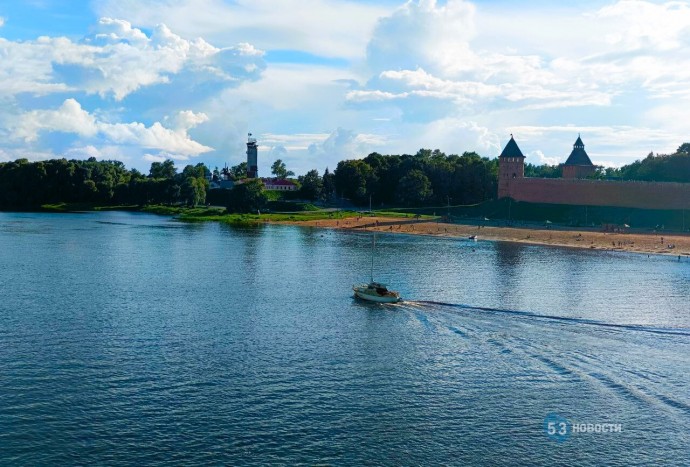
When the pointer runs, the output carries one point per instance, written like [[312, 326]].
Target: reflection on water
[[130, 338]]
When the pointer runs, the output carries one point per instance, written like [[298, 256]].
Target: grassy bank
[[81, 207], [268, 217], [304, 213]]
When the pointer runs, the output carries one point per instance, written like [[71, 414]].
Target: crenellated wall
[[631, 194]]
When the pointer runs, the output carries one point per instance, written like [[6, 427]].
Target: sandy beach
[[631, 241]]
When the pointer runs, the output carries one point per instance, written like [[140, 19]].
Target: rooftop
[[511, 149], [578, 156]]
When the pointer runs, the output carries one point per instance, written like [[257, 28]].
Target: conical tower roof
[[511, 149], [578, 156]]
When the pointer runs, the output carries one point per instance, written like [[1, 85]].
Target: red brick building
[[575, 189], [578, 164]]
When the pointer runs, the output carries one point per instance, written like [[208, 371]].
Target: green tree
[[352, 179], [311, 185], [239, 171], [542, 171], [280, 170], [328, 184], [193, 191], [247, 197], [165, 169], [414, 188]]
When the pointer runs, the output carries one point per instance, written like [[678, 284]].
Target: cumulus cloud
[[423, 55], [422, 33], [345, 144], [70, 117], [459, 135], [538, 158], [118, 59], [630, 47], [154, 158], [186, 120], [606, 144], [277, 152], [297, 141], [636, 24], [102, 151], [305, 151], [331, 28]]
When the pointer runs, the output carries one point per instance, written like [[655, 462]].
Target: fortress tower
[[252, 157], [511, 164], [578, 164]]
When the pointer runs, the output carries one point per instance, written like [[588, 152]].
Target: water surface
[[131, 338]]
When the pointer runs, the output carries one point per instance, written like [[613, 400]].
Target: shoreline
[[657, 243], [634, 242]]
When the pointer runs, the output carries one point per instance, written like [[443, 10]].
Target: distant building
[[578, 164], [574, 188], [279, 184], [252, 157]]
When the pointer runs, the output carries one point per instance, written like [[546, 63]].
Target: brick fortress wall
[[644, 195]]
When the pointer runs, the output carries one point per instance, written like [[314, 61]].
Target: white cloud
[[164, 155], [417, 58], [186, 120], [118, 59], [636, 24], [102, 151], [376, 96], [459, 135], [12, 154], [449, 74], [332, 28], [538, 158], [154, 158], [302, 152], [296, 141], [422, 33], [114, 31], [71, 118], [345, 144], [606, 145]]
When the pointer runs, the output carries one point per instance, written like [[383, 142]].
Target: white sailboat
[[375, 291]]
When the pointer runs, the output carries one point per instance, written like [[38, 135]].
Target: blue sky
[[318, 81]]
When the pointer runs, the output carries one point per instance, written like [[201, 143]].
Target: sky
[[319, 81]]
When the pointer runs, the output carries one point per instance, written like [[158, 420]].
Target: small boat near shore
[[375, 291], [472, 237]]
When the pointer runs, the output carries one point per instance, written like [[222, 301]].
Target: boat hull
[[376, 298]]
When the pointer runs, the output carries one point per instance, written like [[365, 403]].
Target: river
[[130, 338]]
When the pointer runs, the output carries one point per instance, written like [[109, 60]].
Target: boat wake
[[565, 319]]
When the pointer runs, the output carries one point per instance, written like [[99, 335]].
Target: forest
[[29, 185], [427, 178]]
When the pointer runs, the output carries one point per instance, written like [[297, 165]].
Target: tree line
[[673, 167], [655, 168], [427, 178], [29, 185]]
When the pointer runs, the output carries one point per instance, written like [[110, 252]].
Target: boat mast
[[373, 252]]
